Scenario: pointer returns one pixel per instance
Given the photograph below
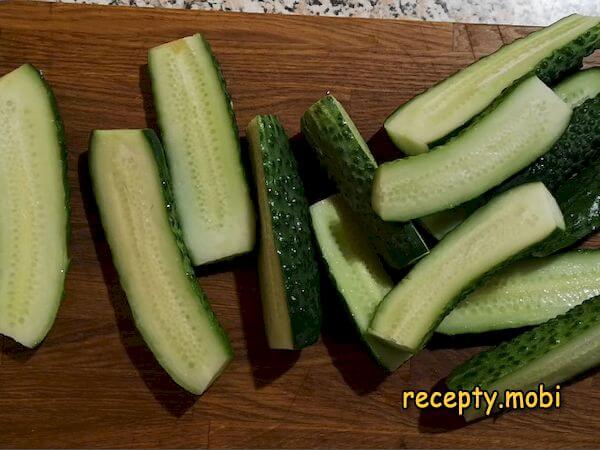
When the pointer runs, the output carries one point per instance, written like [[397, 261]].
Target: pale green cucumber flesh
[[452, 103], [550, 353], [343, 152], [579, 87], [34, 211], [199, 131], [355, 270], [499, 232], [528, 292], [570, 155], [288, 271], [139, 217], [522, 127]]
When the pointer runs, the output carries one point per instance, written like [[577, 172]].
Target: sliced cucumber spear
[[528, 292], [417, 125], [355, 270], [497, 233], [132, 188], [288, 272], [34, 207], [523, 125], [200, 134], [548, 354], [343, 152], [579, 144]]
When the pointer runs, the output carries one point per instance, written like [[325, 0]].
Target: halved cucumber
[[579, 144], [341, 149], [523, 126], [497, 233], [34, 207], [200, 134], [131, 184], [429, 117], [355, 270], [577, 88], [528, 292], [289, 276], [549, 354]]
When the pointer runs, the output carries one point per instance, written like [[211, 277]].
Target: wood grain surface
[[94, 383]]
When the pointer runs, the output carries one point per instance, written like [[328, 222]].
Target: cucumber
[[579, 144], [548, 354], [428, 118], [528, 292], [579, 200], [499, 232], [34, 207], [288, 272], [198, 128], [355, 270], [132, 188], [349, 162], [577, 88], [522, 126]]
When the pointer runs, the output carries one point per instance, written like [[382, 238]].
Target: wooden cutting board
[[94, 383]]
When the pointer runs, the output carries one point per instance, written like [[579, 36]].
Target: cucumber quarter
[[528, 292], [523, 126], [417, 125], [500, 231], [200, 135], [288, 272], [34, 211], [355, 270], [549, 354], [131, 186]]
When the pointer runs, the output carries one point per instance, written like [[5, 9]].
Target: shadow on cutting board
[[174, 398], [147, 100]]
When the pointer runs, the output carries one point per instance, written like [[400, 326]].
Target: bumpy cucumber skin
[[186, 263], [579, 144], [485, 368], [60, 136], [292, 236], [562, 61], [353, 172], [579, 200]]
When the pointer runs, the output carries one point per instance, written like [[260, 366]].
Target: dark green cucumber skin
[[579, 201], [292, 232], [62, 142], [352, 171], [485, 368], [579, 144], [561, 62], [170, 206]]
